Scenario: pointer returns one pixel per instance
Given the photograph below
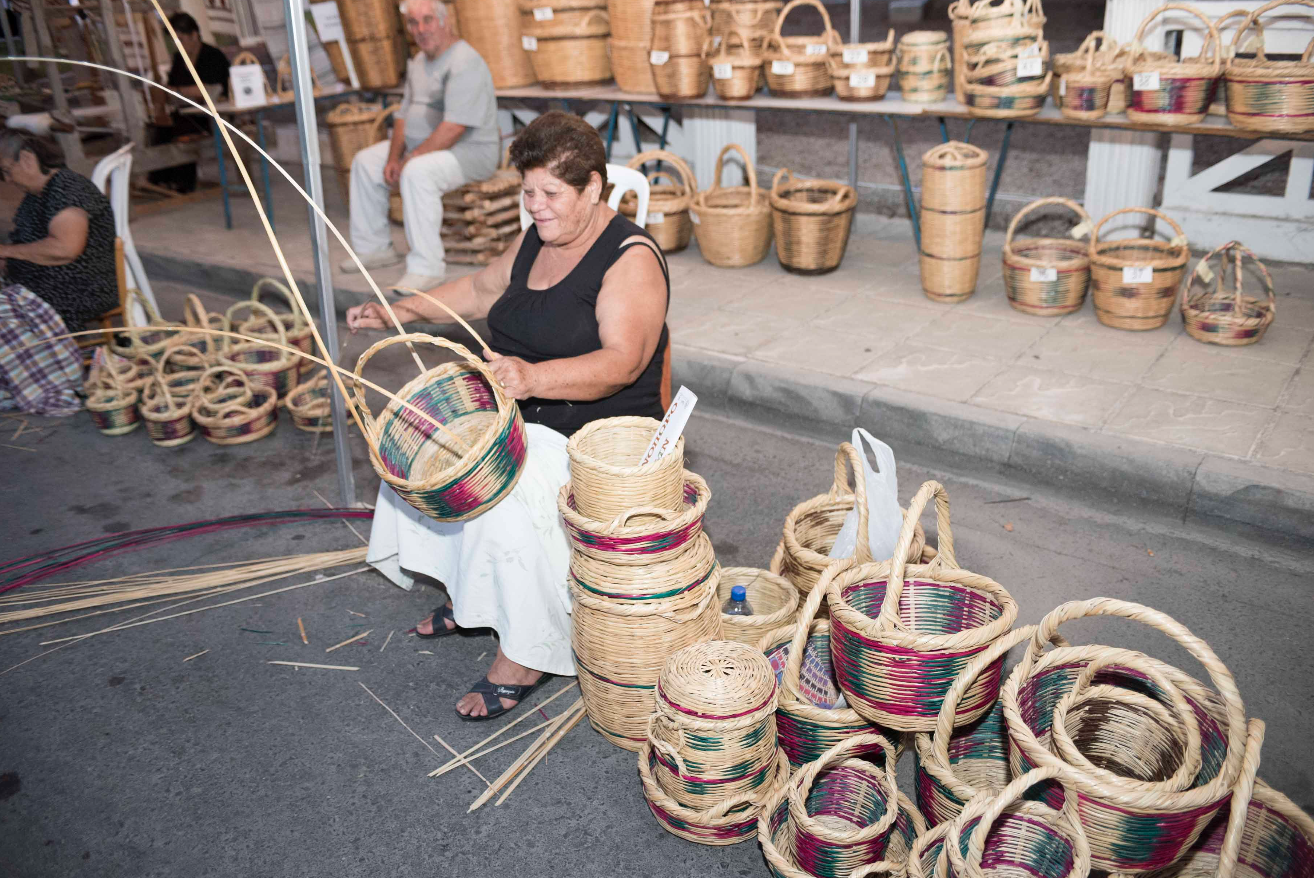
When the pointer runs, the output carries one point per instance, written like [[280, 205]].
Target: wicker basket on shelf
[[351, 129], [168, 420], [987, 21], [679, 35], [492, 27], [952, 220], [1251, 48], [630, 65], [1172, 92], [754, 19], [369, 19], [668, 204], [1134, 281], [773, 598], [924, 66], [1007, 101], [810, 220], [799, 67], [606, 474], [1272, 96], [231, 410], [736, 66], [1047, 277], [862, 71], [1084, 90], [380, 62], [264, 364], [631, 20], [1219, 317], [567, 41], [1000, 65], [732, 223]]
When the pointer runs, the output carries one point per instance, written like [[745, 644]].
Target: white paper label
[[1031, 51], [663, 441], [529, 44], [659, 58], [1063, 86], [862, 80], [246, 84], [542, 13], [722, 71], [816, 49], [693, 216], [1044, 275], [1137, 274], [1206, 273], [855, 56], [782, 68], [716, 41], [1030, 67], [655, 216], [1146, 81], [328, 24]]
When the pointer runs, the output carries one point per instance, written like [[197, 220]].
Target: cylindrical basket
[[687, 571], [799, 67], [607, 477], [568, 44], [638, 536], [1134, 281], [810, 220], [1264, 95], [263, 364], [862, 71], [736, 66], [668, 204], [380, 61], [351, 129], [732, 223], [952, 220], [1223, 318], [679, 37], [924, 66], [229, 409], [1047, 277], [773, 598], [492, 27], [1172, 92], [310, 405], [630, 65], [367, 19], [730, 821], [168, 422]]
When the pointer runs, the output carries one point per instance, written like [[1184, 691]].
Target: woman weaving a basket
[[576, 311]]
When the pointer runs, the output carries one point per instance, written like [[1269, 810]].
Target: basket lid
[[719, 679]]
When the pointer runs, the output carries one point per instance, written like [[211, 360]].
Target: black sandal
[[493, 693], [440, 616]]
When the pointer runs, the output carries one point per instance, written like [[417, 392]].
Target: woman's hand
[[514, 374], [368, 316]]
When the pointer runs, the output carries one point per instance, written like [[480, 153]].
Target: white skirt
[[504, 570]]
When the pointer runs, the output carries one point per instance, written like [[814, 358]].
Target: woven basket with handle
[[1047, 277], [952, 220], [1084, 90], [231, 410], [1227, 318], [310, 406], [736, 66], [799, 67], [729, 821], [568, 44], [492, 27], [668, 203], [679, 37], [351, 129], [732, 223], [862, 71], [263, 364], [1172, 92], [606, 476], [755, 19], [773, 598], [1266, 95], [641, 535], [811, 221], [168, 421], [1134, 281], [113, 406]]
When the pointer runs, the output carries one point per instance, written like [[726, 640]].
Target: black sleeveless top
[[561, 321]]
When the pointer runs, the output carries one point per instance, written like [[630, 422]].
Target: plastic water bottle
[[738, 604]]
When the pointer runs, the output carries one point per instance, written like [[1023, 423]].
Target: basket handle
[[848, 459], [279, 288], [749, 171], [725, 40], [1237, 250], [800, 786], [1213, 38], [695, 611], [1035, 205], [945, 722], [740, 15], [1252, 20], [658, 739], [163, 364], [194, 312], [587, 19], [789, 680], [688, 180], [944, 538], [990, 807], [826, 33], [1148, 211], [1241, 795], [622, 520], [265, 311]]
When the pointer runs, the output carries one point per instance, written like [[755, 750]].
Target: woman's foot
[[503, 672], [429, 623]]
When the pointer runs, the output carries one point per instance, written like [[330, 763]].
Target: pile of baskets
[[1003, 71], [630, 43], [862, 71], [492, 27], [799, 66], [681, 33]]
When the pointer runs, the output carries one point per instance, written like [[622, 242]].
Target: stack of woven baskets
[[643, 576], [492, 27], [374, 34], [567, 41], [481, 219], [799, 66], [952, 220], [1004, 72], [681, 33], [630, 43]]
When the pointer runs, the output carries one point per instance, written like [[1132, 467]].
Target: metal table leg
[[907, 182], [999, 171], [264, 167], [611, 127], [634, 128], [944, 131], [223, 172]]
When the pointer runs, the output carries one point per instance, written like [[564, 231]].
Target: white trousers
[[424, 179]]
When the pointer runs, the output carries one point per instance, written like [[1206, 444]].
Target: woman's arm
[[631, 313], [65, 239]]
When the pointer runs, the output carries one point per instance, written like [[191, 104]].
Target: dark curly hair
[[563, 143], [48, 154]]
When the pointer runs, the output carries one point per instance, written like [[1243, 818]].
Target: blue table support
[[907, 181], [241, 190]]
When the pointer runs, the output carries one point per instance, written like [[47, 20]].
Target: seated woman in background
[[62, 245], [576, 312]]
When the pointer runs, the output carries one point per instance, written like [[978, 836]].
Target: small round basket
[[113, 407], [773, 598], [310, 405], [811, 221], [607, 478], [292, 320], [1272, 96], [732, 223], [728, 822], [1047, 277], [924, 66], [168, 421], [799, 67], [1167, 91], [862, 71], [1223, 318], [668, 204], [641, 535], [736, 66], [1084, 80], [180, 369], [264, 365], [229, 409], [1134, 281]]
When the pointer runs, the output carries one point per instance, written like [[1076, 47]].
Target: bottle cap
[[738, 593]]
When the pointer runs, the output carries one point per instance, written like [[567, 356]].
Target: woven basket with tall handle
[[668, 203], [1265, 95], [1227, 318], [1084, 91], [568, 49], [732, 223], [113, 406], [231, 410], [493, 28], [1172, 92], [294, 323], [799, 67], [1134, 281], [736, 66], [1047, 277], [263, 364], [811, 221], [168, 421], [952, 220]]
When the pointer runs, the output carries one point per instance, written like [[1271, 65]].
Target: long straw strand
[[417, 737], [506, 728]]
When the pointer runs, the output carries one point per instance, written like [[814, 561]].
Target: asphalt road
[[130, 762]]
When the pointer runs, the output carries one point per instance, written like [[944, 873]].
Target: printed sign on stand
[[672, 426], [246, 84]]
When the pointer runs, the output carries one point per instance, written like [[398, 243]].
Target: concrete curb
[[1191, 484]]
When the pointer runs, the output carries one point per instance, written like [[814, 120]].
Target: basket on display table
[[680, 33], [1270, 95], [924, 66], [567, 41], [1167, 91], [862, 71], [736, 66], [799, 67], [1047, 277]]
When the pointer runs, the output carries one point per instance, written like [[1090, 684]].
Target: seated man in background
[[444, 135], [212, 67]]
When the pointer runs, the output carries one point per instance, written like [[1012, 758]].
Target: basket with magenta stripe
[[713, 727], [1270, 95], [901, 634], [812, 526], [264, 364], [773, 598], [310, 405], [229, 409], [459, 448], [293, 321], [1001, 64], [638, 536], [181, 368], [608, 475], [1168, 91], [168, 420], [1047, 277], [1144, 795], [1227, 318], [112, 405], [729, 821], [688, 571], [1085, 84], [1134, 281]]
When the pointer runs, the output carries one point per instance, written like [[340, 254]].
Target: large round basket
[[730, 821], [901, 634], [606, 473], [1220, 317], [799, 67], [1133, 790], [310, 405], [168, 421], [862, 71], [493, 28], [230, 409], [1273, 96], [668, 204], [1134, 281], [685, 572], [1017, 101], [773, 598], [680, 32], [952, 220], [1172, 92], [638, 536], [924, 66], [1047, 277], [733, 223], [811, 221], [292, 319], [466, 466], [567, 43], [264, 364], [736, 66]]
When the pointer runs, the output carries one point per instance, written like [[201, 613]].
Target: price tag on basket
[[542, 13], [659, 58], [1030, 67], [1146, 81], [816, 49], [1205, 272], [722, 71], [1031, 51], [855, 56], [1044, 275], [1063, 86], [1137, 274], [693, 217], [862, 80], [782, 68], [529, 44], [656, 216], [672, 426], [716, 41]]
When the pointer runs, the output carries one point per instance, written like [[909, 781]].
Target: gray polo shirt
[[458, 87]]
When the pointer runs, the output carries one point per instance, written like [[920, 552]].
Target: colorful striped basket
[[292, 320], [196, 316], [900, 634], [773, 598], [181, 368], [426, 465], [151, 340], [687, 571], [640, 536], [1047, 277], [311, 406], [1134, 281], [1084, 88], [264, 365], [1167, 91], [113, 406], [608, 477], [1265, 95], [730, 821], [168, 421], [1223, 318], [1137, 823], [923, 65], [231, 410]]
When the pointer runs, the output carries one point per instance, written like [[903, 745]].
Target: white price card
[[855, 56], [782, 68], [246, 84], [1031, 51], [1030, 67], [1137, 274], [542, 13], [722, 71], [656, 216], [659, 58], [1063, 86], [529, 44], [1206, 273], [716, 41], [328, 24], [1044, 275], [672, 426], [862, 80], [816, 49], [1146, 81]]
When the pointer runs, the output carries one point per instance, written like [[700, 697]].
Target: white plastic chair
[[625, 180], [112, 176]]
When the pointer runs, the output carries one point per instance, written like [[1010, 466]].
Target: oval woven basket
[[310, 406], [112, 405], [732, 223], [668, 205], [810, 220], [606, 476], [862, 71], [1134, 281], [641, 535], [1273, 96], [736, 66], [728, 822], [799, 66], [678, 39], [924, 65], [233, 410], [1047, 277], [1223, 318], [569, 50], [291, 319], [901, 634], [1164, 822], [773, 598], [952, 220], [688, 571], [263, 364], [168, 422], [1172, 92]]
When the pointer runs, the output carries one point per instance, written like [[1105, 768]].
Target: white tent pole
[[855, 25]]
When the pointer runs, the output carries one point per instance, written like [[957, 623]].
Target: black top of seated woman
[[562, 321]]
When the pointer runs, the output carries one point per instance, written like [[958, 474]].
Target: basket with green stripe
[[168, 420], [1047, 277], [1227, 318], [1168, 91], [1134, 281], [729, 821], [113, 406], [689, 571], [638, 536], [1270, 95]]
